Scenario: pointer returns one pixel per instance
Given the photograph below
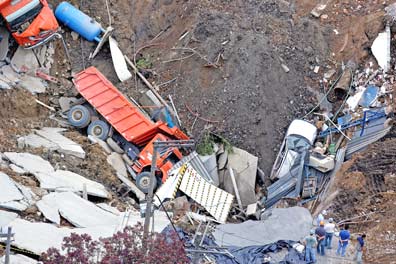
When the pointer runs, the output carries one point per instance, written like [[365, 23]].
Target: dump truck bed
[[125, 117]]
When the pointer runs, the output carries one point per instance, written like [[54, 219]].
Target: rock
[[29, 162], [116, 161], [35, 141], [101, 143], [33, 84], [65, 102], [74, 35], [24, 57], [64, 144]]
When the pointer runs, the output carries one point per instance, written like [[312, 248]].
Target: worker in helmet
[[320, 233]]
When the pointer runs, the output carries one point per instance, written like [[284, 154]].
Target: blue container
[[78, 21]]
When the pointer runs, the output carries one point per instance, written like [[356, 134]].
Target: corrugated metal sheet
[[195, 161], [372, 133], [216, 201]]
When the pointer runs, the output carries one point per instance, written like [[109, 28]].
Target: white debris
[[119, 63], [19, 259], [35, 141], [6, 218], [24, 57], [64, 144], [17, 169], [61, 180], [381, 49], [109, 208], [49, 207], [117, 162], [29, 162], [101, 143], [33, 84], [9, 192]]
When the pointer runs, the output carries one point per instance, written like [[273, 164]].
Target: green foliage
[[144, 63], [206, 146]]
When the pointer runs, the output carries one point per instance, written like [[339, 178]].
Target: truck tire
[[143, 181], [79, 116], [114, 146], [99, 129]]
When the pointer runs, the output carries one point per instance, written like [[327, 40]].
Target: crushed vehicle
[[109, 115], [31, 22]]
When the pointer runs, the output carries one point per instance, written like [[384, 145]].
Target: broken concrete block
[[36, 141], [4, 45], [317, 11], [65, 102], [10, 74], [61, 180], [6, 218], [109, 208], [29, 162], [116, 161], [64, 144], [19, 259], [32, 84], [17, 169], [24, 57], [9, 191], [49, 208], [101, 143]]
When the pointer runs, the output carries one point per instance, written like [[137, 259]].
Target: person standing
[[359, 248], [320, 237], [321, 217], [343, 241], [330, 229], [310, 244]]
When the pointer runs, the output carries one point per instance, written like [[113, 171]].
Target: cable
[[170, 220], [324, 96]]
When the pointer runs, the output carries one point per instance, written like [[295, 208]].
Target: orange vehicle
[[31, 22], [105, 109]]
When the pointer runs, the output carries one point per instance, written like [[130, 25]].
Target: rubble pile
[[79, 154]]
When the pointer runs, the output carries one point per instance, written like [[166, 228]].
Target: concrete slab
[[61, 180], [29, 162], [101, 143], [109, 208], [32, 84], [4, 45], [244, 166], [19, 259], [65, 145], [24, 57], [15, 205], [9, 192], [17, 169], [117, 162], [35, 141], [10, 75], [6, 218], [292, 223], [49, 208]]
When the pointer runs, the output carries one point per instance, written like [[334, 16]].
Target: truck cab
[[31, 22]]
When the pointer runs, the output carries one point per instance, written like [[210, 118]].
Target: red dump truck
[[106, 112], [31, 22]]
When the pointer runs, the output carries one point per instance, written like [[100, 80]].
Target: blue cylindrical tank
[[78, 21]]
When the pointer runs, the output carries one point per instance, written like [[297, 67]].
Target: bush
[[123, 247]]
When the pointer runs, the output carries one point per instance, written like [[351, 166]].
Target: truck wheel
[[79, 116], [143, 181], [99, 129]]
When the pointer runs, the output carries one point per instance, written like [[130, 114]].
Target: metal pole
[[150, 194], [8, 246]]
